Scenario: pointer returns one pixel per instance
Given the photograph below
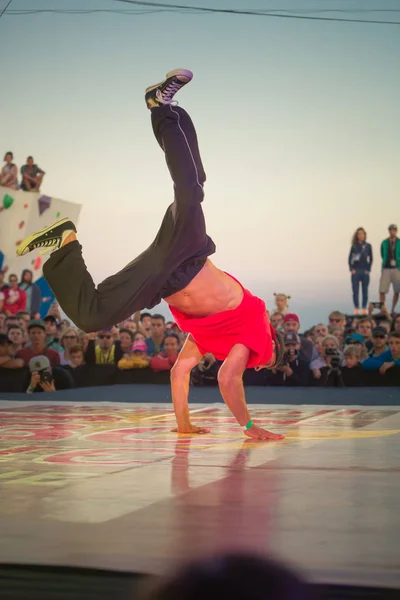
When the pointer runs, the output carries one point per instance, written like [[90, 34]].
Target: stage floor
[[108, 485]]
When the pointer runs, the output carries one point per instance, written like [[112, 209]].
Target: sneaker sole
[[23, 248], [174, 73]]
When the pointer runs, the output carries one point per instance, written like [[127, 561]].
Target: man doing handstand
[[220, 316]]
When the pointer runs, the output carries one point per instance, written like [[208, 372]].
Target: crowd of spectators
[[51, 354], [31, 174], [358, 350]]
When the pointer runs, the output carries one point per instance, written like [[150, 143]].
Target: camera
[[291, 352], [45, 376], [335, 360], [377, 305]]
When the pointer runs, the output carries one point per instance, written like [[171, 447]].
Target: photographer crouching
[[45, 378], [294, 370]]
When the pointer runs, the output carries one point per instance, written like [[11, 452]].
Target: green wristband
[[249, 424]]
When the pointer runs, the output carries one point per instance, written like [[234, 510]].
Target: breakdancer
[[220, 316]]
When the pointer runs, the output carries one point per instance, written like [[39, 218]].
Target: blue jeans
[[360, 276]]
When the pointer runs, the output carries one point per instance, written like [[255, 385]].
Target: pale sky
[[298, 123]]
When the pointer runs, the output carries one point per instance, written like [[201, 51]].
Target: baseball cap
[[354, 337], [39, 363], [139, 346], [291, 317], [37, 323], [378, 331], [392, 226], [291, 338]]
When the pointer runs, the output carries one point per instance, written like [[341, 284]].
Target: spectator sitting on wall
[[33, 294], [106, 351], [16, 337], [52, 334], [37, 344], [379, 341], [352, 372], [14, 297], [390, 253], [69, 339], [139, 358], [126, 340], [155, 341], [164, 361], [145, 324], [364, 328], [45, 378], [282, 303], [387, 359], [9, 172], [32, 176], [291, 322], [294, 370], [7, 360]]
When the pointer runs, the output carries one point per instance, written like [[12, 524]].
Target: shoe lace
[[168, 92]]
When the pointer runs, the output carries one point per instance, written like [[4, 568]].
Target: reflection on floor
[[108, 485]]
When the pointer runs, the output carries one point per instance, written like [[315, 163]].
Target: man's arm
[[187, 359], [7, 362], [230, 381]]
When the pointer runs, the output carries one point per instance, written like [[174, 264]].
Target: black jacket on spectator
[[354, 377], [306, 350], [90, 354], [300, 376]]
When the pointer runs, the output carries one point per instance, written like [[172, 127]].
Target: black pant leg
[[157, 272], [176, 135], [135, 287]]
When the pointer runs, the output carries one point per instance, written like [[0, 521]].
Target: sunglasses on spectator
[[380, 336], [70, 337], [335, 320], [101, 337]]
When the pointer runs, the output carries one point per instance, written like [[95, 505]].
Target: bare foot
[[257, 433], [190, 429]]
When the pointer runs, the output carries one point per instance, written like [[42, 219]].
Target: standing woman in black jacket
[[360, 264]]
